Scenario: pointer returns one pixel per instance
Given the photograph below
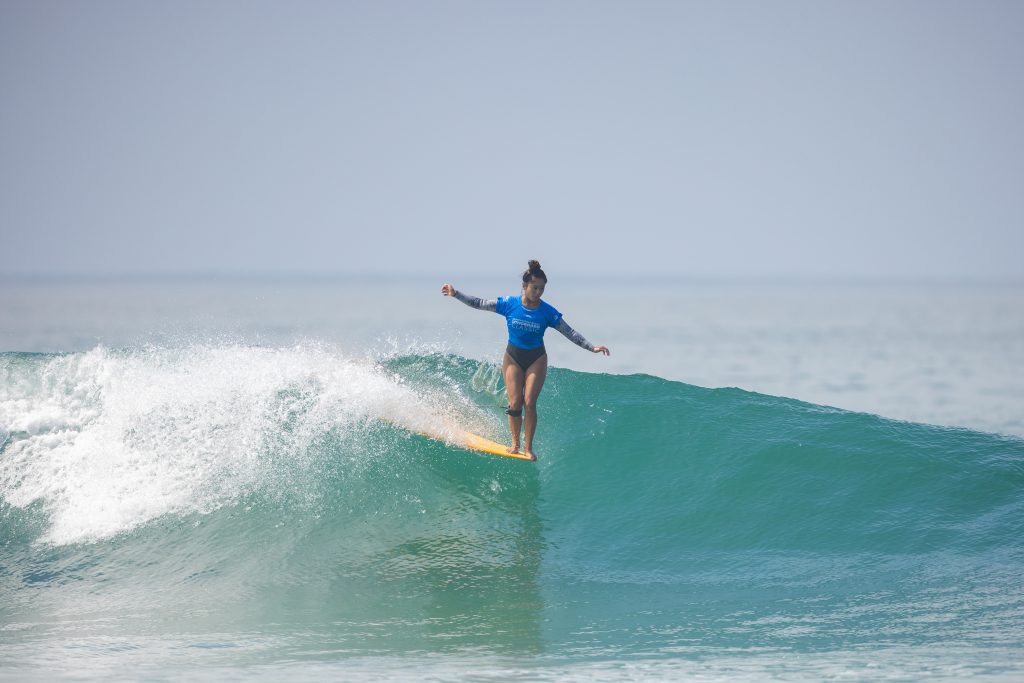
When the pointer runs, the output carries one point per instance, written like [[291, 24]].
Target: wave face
[[276, 503]]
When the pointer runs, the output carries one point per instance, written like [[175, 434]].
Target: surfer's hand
[[447, 290], [602, 349]]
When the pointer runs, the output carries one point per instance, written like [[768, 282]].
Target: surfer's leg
[[535, 376], [514, 386]]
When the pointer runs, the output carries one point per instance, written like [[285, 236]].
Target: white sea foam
[[107, 441]]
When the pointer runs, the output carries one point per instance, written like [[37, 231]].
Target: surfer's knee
[[530, 403], [514, 409]]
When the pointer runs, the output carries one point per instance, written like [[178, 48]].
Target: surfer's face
[[533, 290]]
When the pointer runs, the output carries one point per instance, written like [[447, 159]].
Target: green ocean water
[[234, 511]]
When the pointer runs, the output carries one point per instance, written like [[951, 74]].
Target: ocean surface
[[220, 480]]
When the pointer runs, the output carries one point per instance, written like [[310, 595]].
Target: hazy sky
[[802, 139]]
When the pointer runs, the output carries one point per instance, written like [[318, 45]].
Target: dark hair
[[533, 270]]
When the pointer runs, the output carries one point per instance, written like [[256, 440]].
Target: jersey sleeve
[[554, 317]]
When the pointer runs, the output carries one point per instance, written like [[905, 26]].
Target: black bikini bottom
[[524, 358]]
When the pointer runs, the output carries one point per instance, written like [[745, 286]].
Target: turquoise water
[[221, 510]]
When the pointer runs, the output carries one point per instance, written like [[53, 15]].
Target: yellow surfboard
[[479, 443], [469, 441]]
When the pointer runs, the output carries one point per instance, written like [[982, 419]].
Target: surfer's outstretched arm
[[578, 339], [471, 301]]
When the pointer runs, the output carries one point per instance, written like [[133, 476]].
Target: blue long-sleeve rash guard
[[526, 326]]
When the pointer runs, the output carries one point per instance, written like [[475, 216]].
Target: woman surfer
[[526, 362]]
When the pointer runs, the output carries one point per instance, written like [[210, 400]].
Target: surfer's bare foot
[[529, 452], [513, 449]]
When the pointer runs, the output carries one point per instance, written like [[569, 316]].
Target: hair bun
[[533, 271]]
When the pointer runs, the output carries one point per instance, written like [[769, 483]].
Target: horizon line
[[210, 275]]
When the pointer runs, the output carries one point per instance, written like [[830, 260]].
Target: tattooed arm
[[471, 301], [577, 338], [573, 336]]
